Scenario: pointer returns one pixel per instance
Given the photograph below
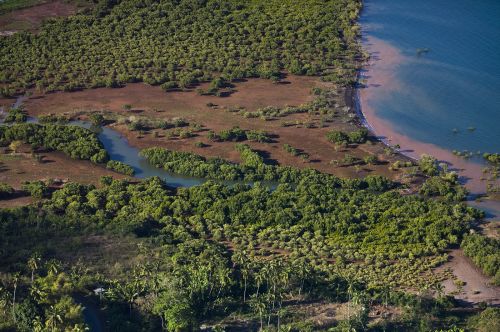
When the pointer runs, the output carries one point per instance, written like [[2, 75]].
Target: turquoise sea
[[449, 94]]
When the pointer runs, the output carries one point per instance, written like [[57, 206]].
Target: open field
[[31, 17], [151, 102]]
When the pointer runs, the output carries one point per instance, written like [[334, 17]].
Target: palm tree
[[53, 317], [33, 264], [439, 289], [15, 282], [260, 307]]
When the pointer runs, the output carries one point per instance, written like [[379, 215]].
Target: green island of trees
[[76, 142], [120, 167], [252, 168]]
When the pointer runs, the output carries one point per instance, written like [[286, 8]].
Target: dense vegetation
[[445, 185], [355, 137], [179, 43], [236, 134], [120, 167], [225, 249], [15, 115], [485, 253], [252, 168], [76, 142]]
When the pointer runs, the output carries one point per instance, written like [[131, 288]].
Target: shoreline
[[379, 72]]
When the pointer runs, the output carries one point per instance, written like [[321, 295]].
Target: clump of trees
[[15, 115], [428, 165], [445, 185], [341, 138], [120, 167], [37, 189], [295, 152], [76, 142], [485, 253], [236, 134]]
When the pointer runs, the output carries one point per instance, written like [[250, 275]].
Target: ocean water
[[450, 95]]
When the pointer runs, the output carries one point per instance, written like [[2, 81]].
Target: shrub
[[428, 165], [5, 190], [120, 167], [358, 136], [37, 189], [16, 115], [337, 137]]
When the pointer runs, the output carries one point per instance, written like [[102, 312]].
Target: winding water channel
[[119, 149]]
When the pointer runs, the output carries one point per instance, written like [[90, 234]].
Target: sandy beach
[[380, 81]]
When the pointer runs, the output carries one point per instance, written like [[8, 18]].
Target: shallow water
[[437, 101]]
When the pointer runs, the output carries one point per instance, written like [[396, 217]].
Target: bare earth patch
[[476, 287], [31, 18]]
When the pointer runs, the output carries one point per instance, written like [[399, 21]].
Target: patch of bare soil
[[325, 315], [476, 286], [15, 202], [152, 102], [31, 18]]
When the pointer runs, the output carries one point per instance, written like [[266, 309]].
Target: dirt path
[[477, 288]]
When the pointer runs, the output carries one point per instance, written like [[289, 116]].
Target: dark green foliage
[[76, 142], [486, 321], [311, 235], [37, 189], [5, 190], [444, 185], [252, 169], [257, 136], [485, 253], [428, 165], [97, 119], [120, 167], [236, 134], [358, 136], [337, 137], [355, 137], [179, 43], [16, 115]]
